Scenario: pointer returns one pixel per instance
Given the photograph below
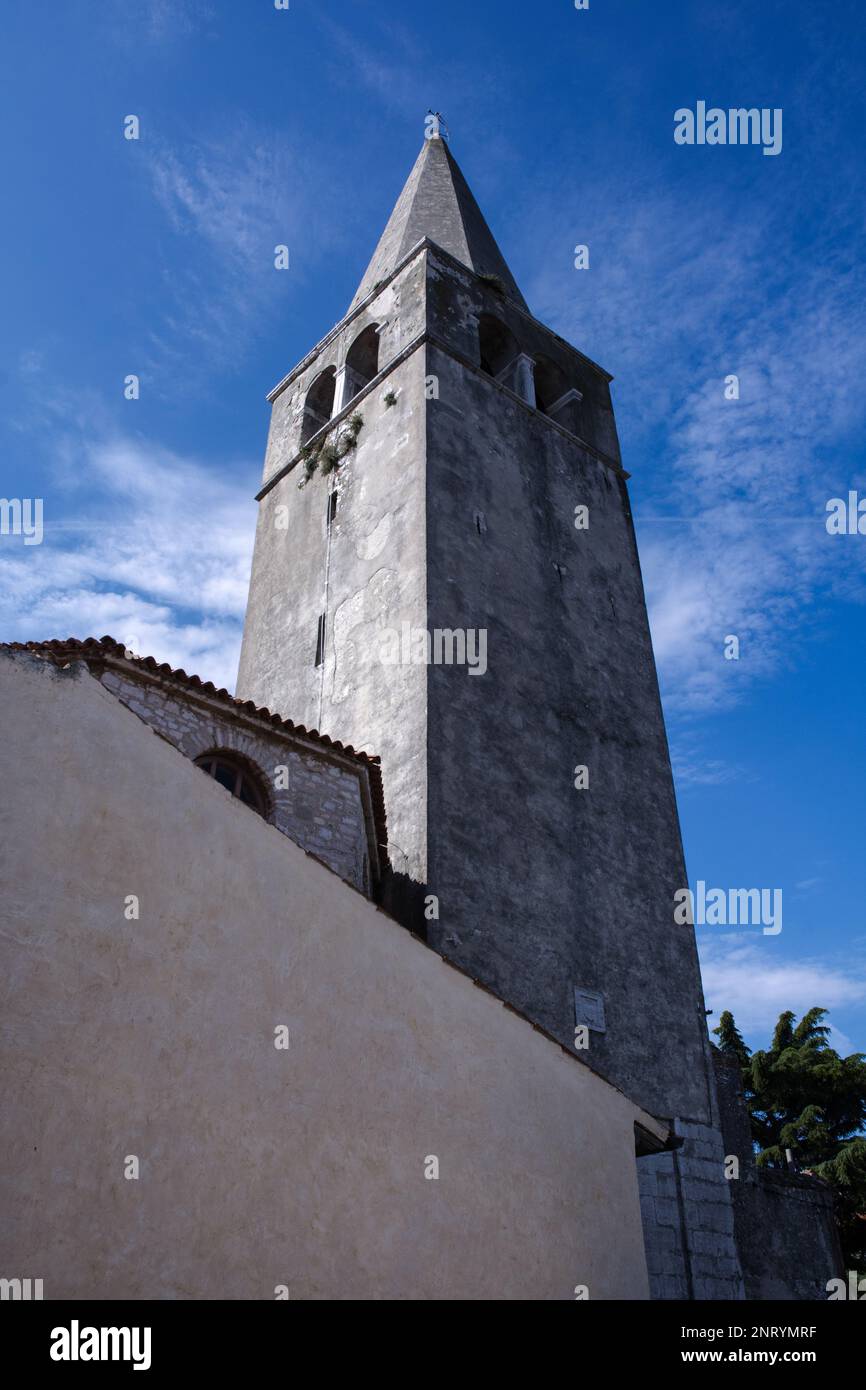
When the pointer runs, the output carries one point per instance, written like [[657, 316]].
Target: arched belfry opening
[[554, 396], [497, 345], [362, 361], [500, 357], [319, 404]]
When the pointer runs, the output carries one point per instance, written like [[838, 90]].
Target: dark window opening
[[319, 404], [550, 384], [362, 362], [557, 397], [496, 344], [320, 641], [235, 777], [332, 507]]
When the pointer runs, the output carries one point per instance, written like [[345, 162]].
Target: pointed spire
[[436, 202]]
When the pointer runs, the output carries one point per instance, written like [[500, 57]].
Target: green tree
[[731, 1039], [801, 1095]]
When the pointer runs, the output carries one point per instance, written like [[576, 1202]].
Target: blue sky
[[261, 127]]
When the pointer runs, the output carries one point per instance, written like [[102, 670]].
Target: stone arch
[[240, 775], [362, 361], [500, 356], [319, 403], [497, 345], [555, 396]]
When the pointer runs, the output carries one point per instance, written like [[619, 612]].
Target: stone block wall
[[320, 808], [688, 1218], [784, 1224]]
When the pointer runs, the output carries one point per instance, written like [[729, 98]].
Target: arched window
[[319, 404], [497, 345], [362, 362], [555, 397], [500, 357], [550, 384], [236, 776]]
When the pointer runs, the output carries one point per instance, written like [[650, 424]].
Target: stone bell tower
[[443, 479]]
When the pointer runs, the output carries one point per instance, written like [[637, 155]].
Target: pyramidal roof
[[437, 203]]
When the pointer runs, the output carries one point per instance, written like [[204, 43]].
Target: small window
[[320, 641], [332, 507], [235, 777]]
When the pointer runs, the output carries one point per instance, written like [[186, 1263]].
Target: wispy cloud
[[155, 22], [694, 765], [683, 292], [712, 772], [164, 19], [160, 562], [230, 201], [392, 80]]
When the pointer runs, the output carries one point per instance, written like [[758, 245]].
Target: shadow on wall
[[404, 899]]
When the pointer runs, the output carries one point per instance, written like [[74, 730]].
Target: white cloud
[[756, 984], [161, 561]]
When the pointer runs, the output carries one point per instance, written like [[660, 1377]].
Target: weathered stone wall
[[688, 1219], [457, 512], [546, 887], [260, 1167], [786, 1236], [321, 807], [399, 313], [366, 573], [584, 894], [785, 1229], [457, 299]]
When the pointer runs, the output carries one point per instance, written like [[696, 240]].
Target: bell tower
[[446, 574]]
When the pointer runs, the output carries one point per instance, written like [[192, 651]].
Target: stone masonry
[[784, 1222], [328, 802], [688, 1219], [482, 432]]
